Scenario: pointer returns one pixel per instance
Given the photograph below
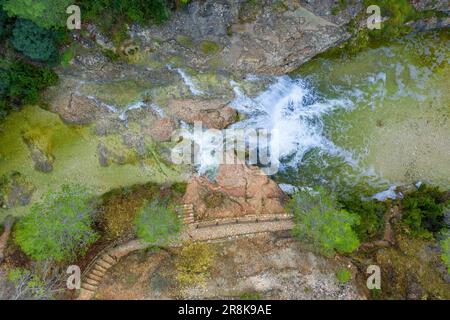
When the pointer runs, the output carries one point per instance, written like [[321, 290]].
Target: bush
[[35, 42], [129, 10], [193, 264], [318, 220], [157, 224], [22, 83], [343, 275], [370, 212], [44, 13], [60, 227], [423, 211], [3, 21]]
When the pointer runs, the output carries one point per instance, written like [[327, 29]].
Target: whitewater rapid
[[289, 110]]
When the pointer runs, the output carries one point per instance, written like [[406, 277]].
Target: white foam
[[287, 111], [187, 80]]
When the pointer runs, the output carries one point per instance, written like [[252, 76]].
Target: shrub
[[423, 211], [35, 42], [22, 83], [44, 13], [370, 212], [3, 21], [120, 207], [318, 220], [343, 275], [194, 263], [58, 228], [129, 10], [27, 285], [157, 224]]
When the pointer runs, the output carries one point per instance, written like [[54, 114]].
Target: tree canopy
[[44, 13], [317, 219], [35, 42], [157, 224], [58, 228]]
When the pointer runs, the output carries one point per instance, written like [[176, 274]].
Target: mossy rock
[[208, 47], [15, 190], [249, 10]]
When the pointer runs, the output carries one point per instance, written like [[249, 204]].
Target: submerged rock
[[40, 152], [15, 190]]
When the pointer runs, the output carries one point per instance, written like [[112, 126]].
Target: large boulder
[[261, 36], [214, 114], [239, 190]]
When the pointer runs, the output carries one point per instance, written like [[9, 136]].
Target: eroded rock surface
[[238, 190], [214, 114], [264, 36]]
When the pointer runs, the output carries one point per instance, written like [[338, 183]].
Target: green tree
[[44, 13], [35, 42], [140, 11], [22, 83], [3, 21], [318, 220], [58, 228], [157, 224], [423, 211]]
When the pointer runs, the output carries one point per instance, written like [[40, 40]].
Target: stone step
[[94, 277], [99, 267], [89, 287], [106, 257], [92, 282], [97, 273], [103, 263]]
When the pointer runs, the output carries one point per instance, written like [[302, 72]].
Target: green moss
[[209, 47], [194, 263], [249, 10], [119, 93], [185, 41], [75, 149], [250, 296], [343, 275], [120, 153], [68, 56], [411, 263], [280, 6]]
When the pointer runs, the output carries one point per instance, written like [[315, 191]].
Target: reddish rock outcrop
[[239, 190], [214, 114], [161, 130]]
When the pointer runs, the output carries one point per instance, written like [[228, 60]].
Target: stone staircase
[[187, 214], [108, 257], [94, 274]]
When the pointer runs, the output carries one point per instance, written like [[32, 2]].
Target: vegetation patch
[[60, 227], [157, 223], [209, 47], [194, 263], [343, 275], [318, 220], [423, 211]]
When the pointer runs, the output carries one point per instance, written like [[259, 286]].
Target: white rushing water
[[289, 111], [187, 80]]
